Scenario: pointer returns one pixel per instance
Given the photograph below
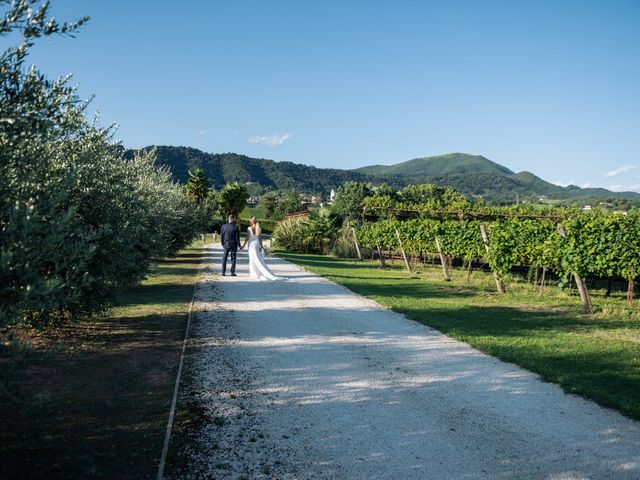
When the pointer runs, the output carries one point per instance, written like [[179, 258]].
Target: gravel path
[[305, 379]]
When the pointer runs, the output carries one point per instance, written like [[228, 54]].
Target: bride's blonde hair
[[256, 226]]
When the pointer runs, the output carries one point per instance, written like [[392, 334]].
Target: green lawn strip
[[259, 212], [93, 398], [595, 356]]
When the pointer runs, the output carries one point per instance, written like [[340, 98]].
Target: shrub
[[291, 235], [343, 245], [304, 235]]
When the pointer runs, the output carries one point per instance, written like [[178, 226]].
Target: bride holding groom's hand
[[257, 267]]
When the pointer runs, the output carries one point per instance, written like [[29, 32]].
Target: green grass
[[91, 399], [259, 212], [596, 356]]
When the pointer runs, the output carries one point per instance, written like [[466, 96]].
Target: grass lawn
[[91, 400], [596, 356], [259, 212]]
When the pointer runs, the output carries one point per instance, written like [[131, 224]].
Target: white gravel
[[305, 379]]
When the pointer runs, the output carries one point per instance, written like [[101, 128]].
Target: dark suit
[[230, 238]]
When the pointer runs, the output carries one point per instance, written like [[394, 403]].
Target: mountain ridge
[[472, 175], [469, 164], [448, 163]]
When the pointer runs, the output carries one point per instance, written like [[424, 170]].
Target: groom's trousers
[[234, 253]]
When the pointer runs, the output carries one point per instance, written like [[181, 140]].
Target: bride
[[257, 267]]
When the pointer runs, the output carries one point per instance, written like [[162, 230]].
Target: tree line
[[79, 222]]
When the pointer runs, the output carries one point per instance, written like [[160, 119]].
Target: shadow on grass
[[93, 397], [165, 293], [184, 261], [96, 407], [177, 270], [327, 262], [188, 257], [409, 288]]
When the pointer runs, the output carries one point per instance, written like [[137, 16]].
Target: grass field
[[259, 212], [91, 400], [596, 356]]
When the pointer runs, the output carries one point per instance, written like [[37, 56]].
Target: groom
[[230, 239]]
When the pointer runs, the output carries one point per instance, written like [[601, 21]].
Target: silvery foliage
[[78, 221]]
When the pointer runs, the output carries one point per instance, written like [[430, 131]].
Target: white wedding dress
[[258, 269]]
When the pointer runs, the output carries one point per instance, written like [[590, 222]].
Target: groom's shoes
[[224, 274], [233, 275]]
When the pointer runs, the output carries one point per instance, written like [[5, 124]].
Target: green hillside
[[473, 175], [449, 164], [261, 174]]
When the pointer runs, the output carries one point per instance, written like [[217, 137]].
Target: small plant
[[343, 244], [291, 235]]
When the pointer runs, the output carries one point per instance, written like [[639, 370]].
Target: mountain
[[449, 164], [260, 173], [473, 175], [476, 175]]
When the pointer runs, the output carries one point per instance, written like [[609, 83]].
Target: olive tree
[[79, 222]]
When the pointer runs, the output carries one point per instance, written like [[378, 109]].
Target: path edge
[[176, 388]]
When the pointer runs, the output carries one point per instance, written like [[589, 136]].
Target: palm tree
[[197, 187]]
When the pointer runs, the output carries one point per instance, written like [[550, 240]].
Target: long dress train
[[257, 267]]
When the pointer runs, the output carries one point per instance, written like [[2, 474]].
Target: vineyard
[[573, 244]]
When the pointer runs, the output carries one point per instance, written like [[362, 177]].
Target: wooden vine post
[[544, 274], [381, 256], [582, 286], [355, 241], [443, 261], [404, 255], [485, 239]]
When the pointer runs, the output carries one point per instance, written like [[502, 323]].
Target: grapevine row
[[586, 244]]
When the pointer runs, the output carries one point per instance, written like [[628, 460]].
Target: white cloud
[[201, 132], [560, 183], [624, 188], [619, 171], [272, 140], [586, 185]]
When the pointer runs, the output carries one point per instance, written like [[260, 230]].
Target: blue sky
[[552, 87]]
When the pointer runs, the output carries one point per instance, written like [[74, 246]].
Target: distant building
[[586, 208], [332, 196]]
